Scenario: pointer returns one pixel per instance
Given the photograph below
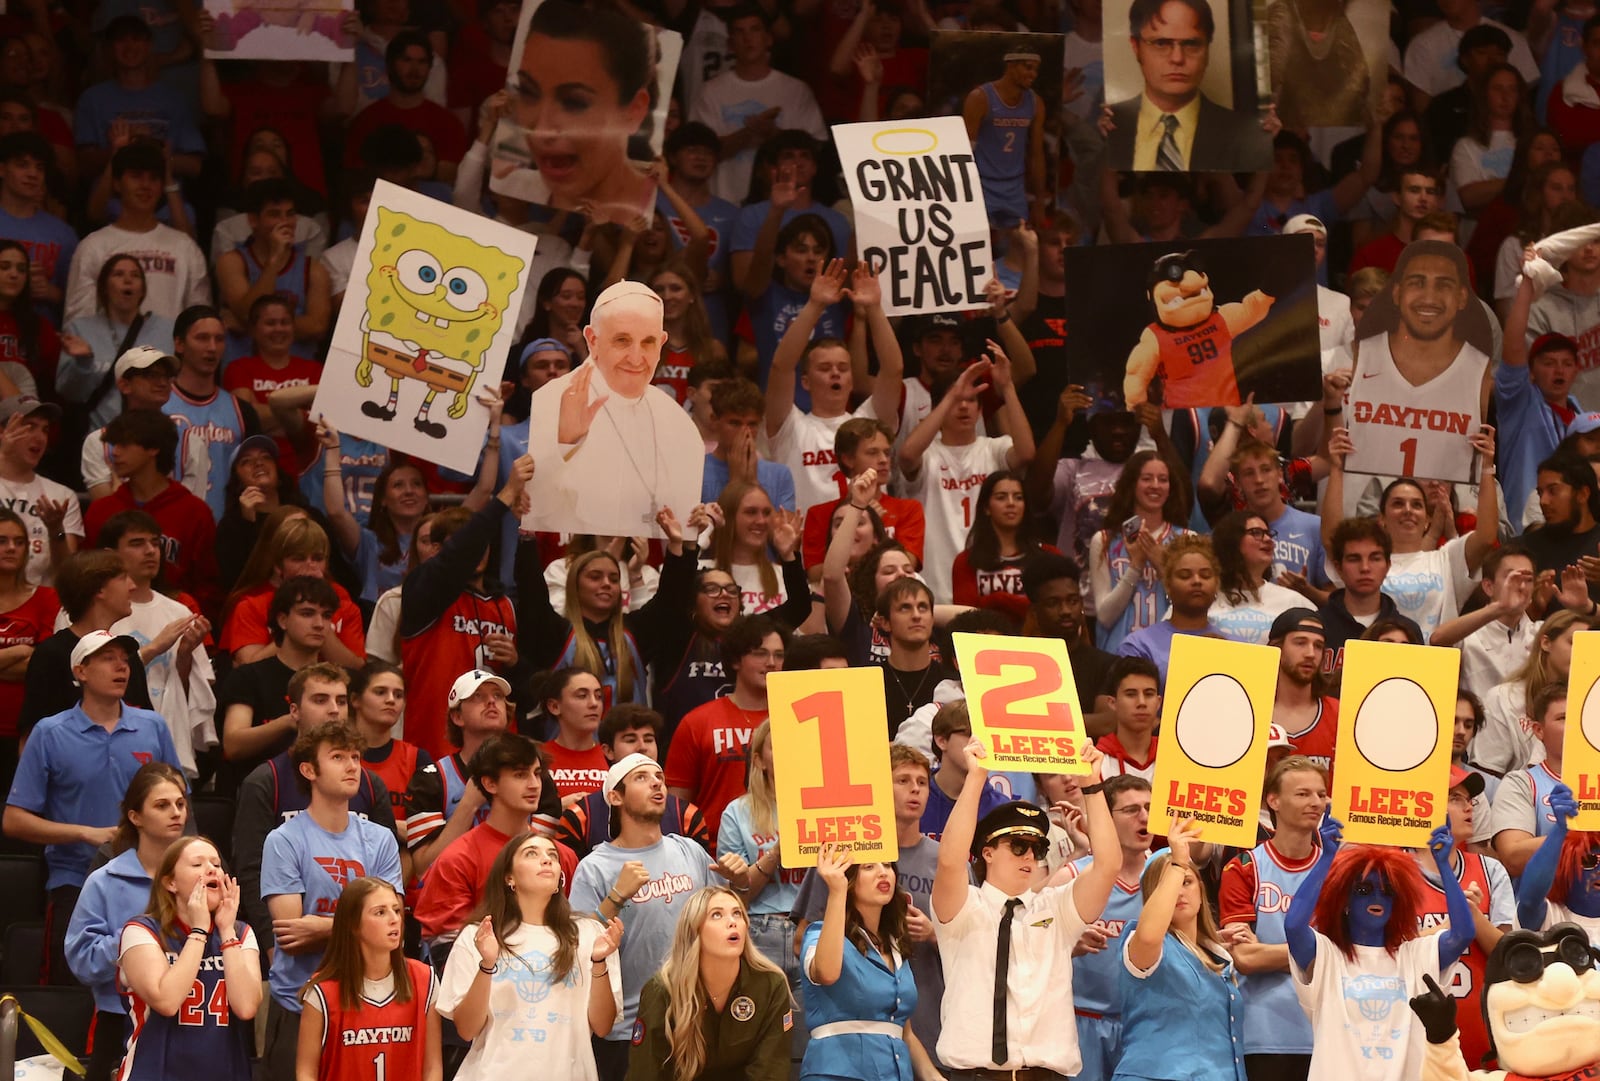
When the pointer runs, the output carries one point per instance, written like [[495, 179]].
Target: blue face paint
[[1368, 911], [1584, 895]]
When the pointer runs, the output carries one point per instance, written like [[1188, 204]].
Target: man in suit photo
[[1172, 126]]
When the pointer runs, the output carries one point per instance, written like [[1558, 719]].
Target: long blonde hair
[[1535, 671], [585, 650], [1205, 925], [680, 974], [759, 791]]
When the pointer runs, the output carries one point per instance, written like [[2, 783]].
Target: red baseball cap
[[1468, 779]]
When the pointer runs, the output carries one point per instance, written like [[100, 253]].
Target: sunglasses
[[1021, 847], [1175, 270], [1525, 961]]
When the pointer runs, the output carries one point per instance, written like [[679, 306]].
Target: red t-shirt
[[576, 772], [28, 624], [1381, 253], [260, 378], [441, 127], [291, 111], [473, 74], [188, 536], [246, 625], [453, 886], [902, 520], [707, 756]]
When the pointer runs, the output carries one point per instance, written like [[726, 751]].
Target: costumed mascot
[[1190, 345], [1541, 1007]]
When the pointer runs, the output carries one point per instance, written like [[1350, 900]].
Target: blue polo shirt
[[73, 770]]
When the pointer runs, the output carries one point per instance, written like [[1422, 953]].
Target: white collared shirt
[[1038, 981], [1494, 653]]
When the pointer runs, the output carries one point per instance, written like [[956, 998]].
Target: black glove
[[1437, 1012]]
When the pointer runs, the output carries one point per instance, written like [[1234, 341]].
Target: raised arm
[[836, 595], [1454, 939], [752, 270], [1042, 470], [950, 875], [888, 386], [827, 960], [1092, 889], [1016, 421], [1144, 945], [1540, 871], [826, 289], [922, 436], [1486, 532], [1332, 508], [1297, 921]]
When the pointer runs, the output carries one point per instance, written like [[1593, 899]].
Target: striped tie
[[1168, 160]]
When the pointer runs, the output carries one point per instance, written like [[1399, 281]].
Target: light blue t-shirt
[[677, 867], [1298, 546], [738, 835], [300, 857], [1154, 643]]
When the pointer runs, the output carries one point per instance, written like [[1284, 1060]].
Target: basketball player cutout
[[1422, 380], [1005, 121], [1189, 347]]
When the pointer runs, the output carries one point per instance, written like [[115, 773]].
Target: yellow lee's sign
[[1023, 702], [832, 776], [1213, 746], [1396, 719], [1580, 746]]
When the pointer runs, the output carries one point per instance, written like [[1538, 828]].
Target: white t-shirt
[[1252, 621], [727, 101], [1431, 57], [338, 261], [754, 599], [634, 595], [23, 499], [1426, 586], [1471, 161], [174, 269], [529, 1014], [805, 445], [948, 488], [1555, 912], [1361, 1020]]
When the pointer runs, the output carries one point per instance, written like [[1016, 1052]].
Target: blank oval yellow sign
[[905, 141]]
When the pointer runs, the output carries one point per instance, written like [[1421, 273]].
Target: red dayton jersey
[[1196, 365], [1464, 980], [376, 1041], [433, 658], [1319, 740]]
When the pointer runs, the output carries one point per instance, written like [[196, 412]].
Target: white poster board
[[433, 294], [575, 138], [280, 30], [919, 212]]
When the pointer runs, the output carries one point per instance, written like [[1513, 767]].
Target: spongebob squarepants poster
[[1195, 323], [433, 292]]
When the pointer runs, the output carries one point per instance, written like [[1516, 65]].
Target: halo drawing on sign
[[1215, 724], [1590, 725], [1397, 727]]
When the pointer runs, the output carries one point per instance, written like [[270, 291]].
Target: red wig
[[1569, 868], [1398, 870]]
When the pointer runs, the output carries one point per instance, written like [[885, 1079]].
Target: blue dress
[[866, 990], [1209, 1026]]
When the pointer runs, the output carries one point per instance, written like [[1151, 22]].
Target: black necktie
[[1002, 962]]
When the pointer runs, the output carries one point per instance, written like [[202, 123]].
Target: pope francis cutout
[[612, 449]]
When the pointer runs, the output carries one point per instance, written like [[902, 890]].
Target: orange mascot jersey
[[377, 1041], [1196, 366]]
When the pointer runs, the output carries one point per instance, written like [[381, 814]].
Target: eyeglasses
[[717, 589], [1525, 961], [1258, 532], [1191, 47], [1021, 847]]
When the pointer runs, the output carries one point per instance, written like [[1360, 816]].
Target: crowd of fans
[[496, 803]]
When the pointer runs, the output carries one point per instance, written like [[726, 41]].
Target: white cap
[[619, 772], [1304, 223], [1276, 738], [467, 684], [622, 289], [141, 357], [95, 641]]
